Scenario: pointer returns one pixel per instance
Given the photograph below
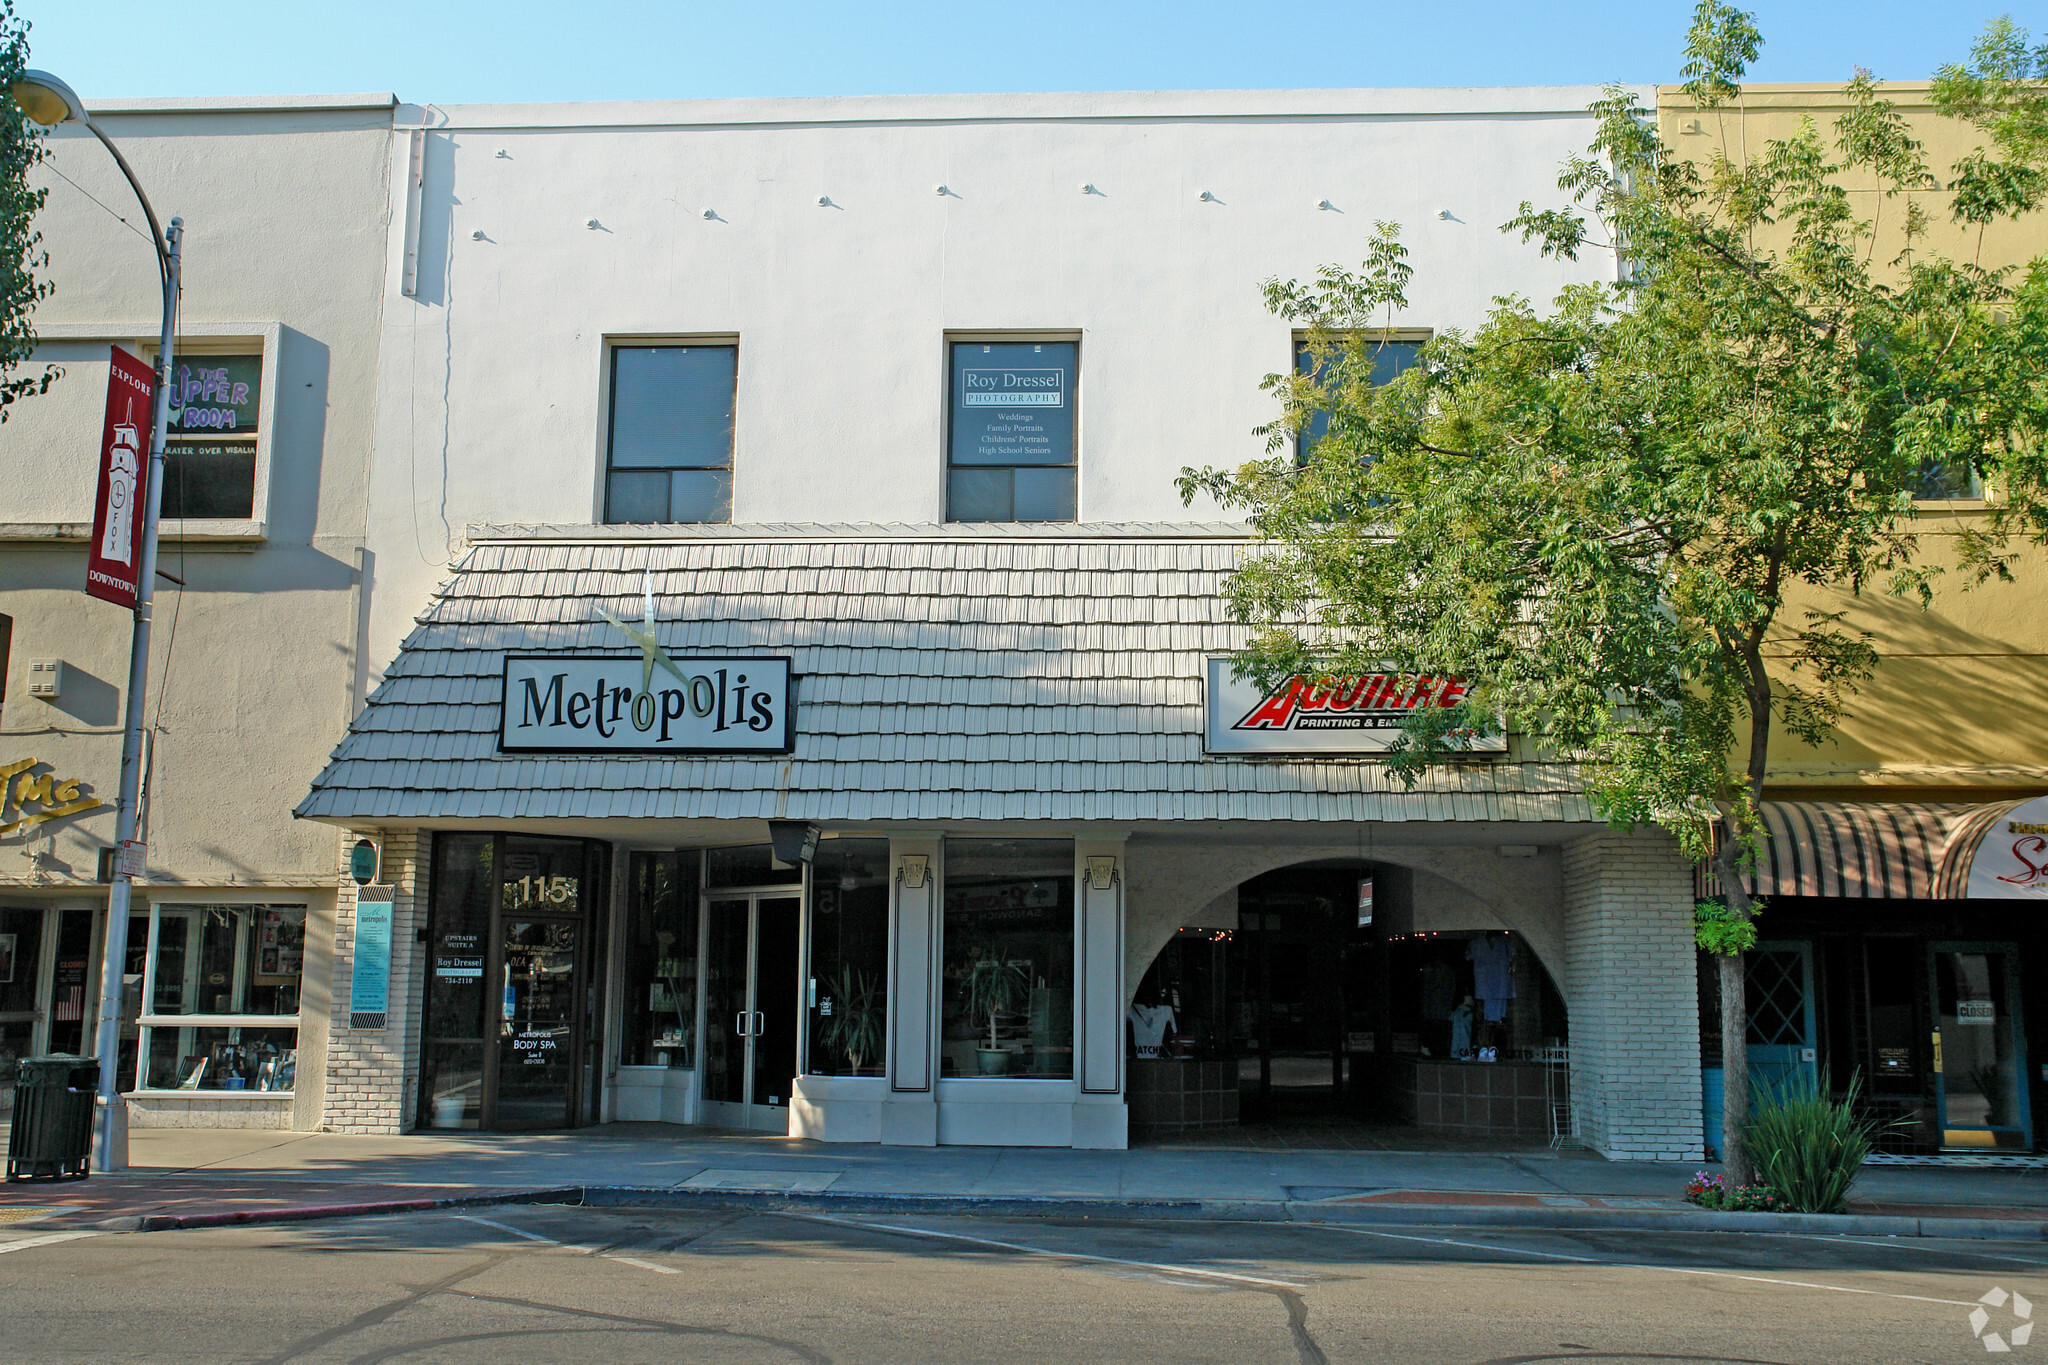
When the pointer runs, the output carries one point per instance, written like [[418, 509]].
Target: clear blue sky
[[465, 51]]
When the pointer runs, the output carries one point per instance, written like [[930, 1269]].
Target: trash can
[[51, 1135]]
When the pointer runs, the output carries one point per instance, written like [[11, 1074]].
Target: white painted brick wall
[[1630, 988], [372, 1074]]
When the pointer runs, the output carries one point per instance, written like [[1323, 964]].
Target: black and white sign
[[1322, 714], [732, 704]]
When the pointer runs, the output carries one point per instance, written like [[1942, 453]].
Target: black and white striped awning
[[1899, 851]]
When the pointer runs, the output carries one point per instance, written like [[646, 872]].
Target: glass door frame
[[2007, 953], [1784, 1059], [748, 1112], [587, 1019]]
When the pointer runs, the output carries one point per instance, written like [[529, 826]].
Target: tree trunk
[[1734, 979], [1735, 1163]]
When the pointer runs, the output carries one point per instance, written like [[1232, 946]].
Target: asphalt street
[[553, 1283]]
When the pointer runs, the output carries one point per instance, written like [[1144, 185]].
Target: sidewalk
[[194, 1177]]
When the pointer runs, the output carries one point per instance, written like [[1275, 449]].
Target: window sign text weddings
[[730, 704], [1322, 714]]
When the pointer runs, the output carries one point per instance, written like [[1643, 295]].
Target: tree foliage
[[21, 253], [1602, 512]]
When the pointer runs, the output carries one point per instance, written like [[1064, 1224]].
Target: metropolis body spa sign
[[730, 704]]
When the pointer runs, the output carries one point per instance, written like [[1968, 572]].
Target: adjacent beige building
[[256, 667]]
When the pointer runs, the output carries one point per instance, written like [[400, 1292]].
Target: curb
[[171, 1222], [1304, 1211], [1202, 1210]]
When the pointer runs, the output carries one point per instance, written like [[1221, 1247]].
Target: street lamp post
[[49, 101]]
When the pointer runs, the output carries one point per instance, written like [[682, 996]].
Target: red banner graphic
[[113, 564]]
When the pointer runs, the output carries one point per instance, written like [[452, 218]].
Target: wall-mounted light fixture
[[1208, 197], [1101, 873], [1088, 187], [942, 190], [1326, 206], [913, 869], [794, 841]]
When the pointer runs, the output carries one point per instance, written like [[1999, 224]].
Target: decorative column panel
[[372, 1072], [910, 1114], [1100, 1118]]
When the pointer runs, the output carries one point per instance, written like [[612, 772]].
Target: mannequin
[[1461, 1027]]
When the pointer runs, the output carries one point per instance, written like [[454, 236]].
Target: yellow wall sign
[[28, 797]]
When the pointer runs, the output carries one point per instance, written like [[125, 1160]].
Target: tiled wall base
[[268, 1111]]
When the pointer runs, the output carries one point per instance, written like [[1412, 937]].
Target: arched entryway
[[1337, 1011]]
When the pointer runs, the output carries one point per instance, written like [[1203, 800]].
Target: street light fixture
[[49, 101]]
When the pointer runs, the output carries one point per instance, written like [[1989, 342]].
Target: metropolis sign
[[1357, 713], [730, 704]]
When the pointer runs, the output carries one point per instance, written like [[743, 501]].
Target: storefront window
[[849, 957], [661, 961], [1011, 449], [220, 978], [1009, 958]]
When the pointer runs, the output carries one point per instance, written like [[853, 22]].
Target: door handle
[[740, 1024], [760, 1024]]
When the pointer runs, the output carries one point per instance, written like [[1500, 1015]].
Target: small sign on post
[[113, 561]]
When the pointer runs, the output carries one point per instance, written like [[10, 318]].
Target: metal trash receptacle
[[50, 1137]]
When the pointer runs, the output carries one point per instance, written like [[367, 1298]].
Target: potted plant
[[855, 1027], [993, 986]]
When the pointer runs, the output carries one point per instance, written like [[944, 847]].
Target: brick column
[[1632, 997], [373, 1074]]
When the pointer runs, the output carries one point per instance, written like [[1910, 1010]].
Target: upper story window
[[1010, 449], [1935, 481], [210, 448], [1390, 358], [670, 453]]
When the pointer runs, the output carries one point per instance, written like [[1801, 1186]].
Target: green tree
[[1597, 512], [21, 253]]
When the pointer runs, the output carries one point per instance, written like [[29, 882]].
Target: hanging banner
[[113, 562], [370, 983]]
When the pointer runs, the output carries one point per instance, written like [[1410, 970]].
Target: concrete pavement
[[182, 1176]]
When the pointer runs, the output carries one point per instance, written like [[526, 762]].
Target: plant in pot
[[855, 1027], [992, 987]]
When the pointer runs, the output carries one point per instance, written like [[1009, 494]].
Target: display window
[[221, 995], [660, 1027], [1009, 958], [1011, 446], [849, 961]]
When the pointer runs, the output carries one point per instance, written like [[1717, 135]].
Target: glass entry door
[[1782, 1025], [751, 1010], [1979, 1050], [537, 1042]]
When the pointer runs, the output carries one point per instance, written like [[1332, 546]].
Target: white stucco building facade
[[709, 370]]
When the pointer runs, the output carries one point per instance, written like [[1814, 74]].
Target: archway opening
[[1338, 1012]]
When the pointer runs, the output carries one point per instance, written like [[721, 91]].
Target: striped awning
[[1893, 851]]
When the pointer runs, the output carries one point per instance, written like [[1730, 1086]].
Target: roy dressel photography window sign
[[1353, 713], [728, 704]]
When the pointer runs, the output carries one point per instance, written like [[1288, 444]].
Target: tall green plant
[[994, 986], [1807, 1145], [856, 1025], [1600, 513]]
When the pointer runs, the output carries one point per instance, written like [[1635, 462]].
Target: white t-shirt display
[[1149, 1025]]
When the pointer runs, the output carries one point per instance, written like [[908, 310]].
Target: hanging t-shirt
[[1149, 1024], [1492, 962]]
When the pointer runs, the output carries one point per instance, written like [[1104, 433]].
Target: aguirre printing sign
[[1324, 714], [731, 704]]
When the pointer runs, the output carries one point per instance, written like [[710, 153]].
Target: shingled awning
[[948, 673]]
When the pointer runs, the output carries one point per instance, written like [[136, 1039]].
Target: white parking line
[[569, 1246], [1914, 1244], [1048, 1251], [1633, 1265], [45, 1240]]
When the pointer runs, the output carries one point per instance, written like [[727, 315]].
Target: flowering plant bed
[[1711, 1191]]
